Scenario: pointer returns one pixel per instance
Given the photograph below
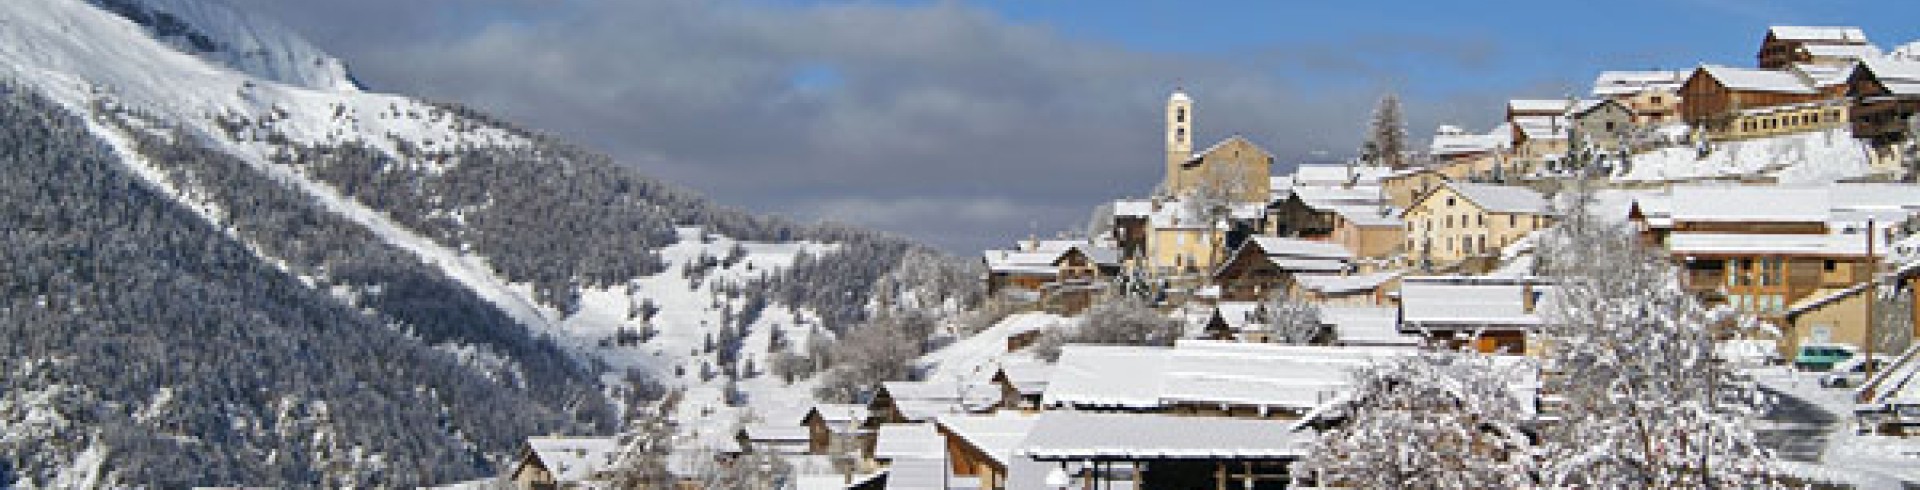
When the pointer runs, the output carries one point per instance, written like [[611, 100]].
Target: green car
[[1821, 357]]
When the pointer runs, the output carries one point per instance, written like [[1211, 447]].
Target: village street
[[1810, 424]]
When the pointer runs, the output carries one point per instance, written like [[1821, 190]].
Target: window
[[1181, 117], [1180, 135], [1655, 99], [1449, 202], [1513, 220], [1482, 220], [1830, 265]]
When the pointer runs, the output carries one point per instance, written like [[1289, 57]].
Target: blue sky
[[970, 124]]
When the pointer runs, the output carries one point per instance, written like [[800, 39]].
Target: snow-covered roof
[[1617, 83], [1133, 208], [1366, 326], [1263, 375], [1824, 296], [1502, 198], [1177, 215], [1446, 144], [840, 412], [776, 433], [1829, 34], [1324, 197], [997, 435], [1371, 216], [1842, 51], [1107, 376], [1587, 107], [918, 473], [1823, 75], [1329, 175], [1742, 203], [1074, 436], [1344, 284], [908, 441], [1179, 96], [1899, 76], [1446, 301], [1542, 127], [1223, 143], [1019, 262], [1758, 80], [1874, 196], [1238, 315], [1829, 245], [1029, 376], [1538, 106], [1296, 248], [574, 459]]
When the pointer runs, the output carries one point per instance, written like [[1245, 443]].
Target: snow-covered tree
[[1432, 420], [1387, 133], [1630, 352], [1117, 320], [1291, 320]]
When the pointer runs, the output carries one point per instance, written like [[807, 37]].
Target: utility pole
[[1873, 293]]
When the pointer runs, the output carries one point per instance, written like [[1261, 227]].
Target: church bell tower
[[1179, 135]]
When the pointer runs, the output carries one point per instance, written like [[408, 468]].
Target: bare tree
[[1119, 320], [1291, 320]]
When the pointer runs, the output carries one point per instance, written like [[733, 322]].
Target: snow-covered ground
[[1865, 461], [1799, 158]]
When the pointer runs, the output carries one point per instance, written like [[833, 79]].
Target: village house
[[1789, 45], [778, 439], [1182, 241], [1060, 275], [1130, 218], [1653, 96], [1370, 289], [1460, 155], [1265, 264], [1492, 315], [901, 402], [1021, 382], [981, 451], [1310, 212], [836, 427], [1725, 103], [1102, 450], [1405, 186], [1459, 221], [1884, 95], [1604, 125], [563, 462]]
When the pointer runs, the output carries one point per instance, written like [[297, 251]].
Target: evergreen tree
[[1387, 134]]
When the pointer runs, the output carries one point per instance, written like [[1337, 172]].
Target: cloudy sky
[[970, 124]]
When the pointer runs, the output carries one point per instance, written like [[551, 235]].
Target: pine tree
[[1387, 137]]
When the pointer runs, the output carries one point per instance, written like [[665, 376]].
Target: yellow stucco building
[[1462, 220]]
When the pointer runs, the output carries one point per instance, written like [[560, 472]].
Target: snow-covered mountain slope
[[461, 234], [244, 41], [1825, 156]]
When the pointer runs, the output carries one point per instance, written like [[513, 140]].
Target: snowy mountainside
[[246, 42], [561, 284], [1825, 156]]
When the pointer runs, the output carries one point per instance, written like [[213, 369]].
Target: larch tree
[[1387, 133]]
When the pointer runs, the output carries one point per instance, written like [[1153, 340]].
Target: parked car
[[1853, 371], [1821, 357]]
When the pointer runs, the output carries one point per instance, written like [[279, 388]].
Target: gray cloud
[[938, 121]]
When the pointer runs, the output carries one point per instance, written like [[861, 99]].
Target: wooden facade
[[1880, 115]]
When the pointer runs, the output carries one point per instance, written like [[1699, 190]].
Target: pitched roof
[[1074, 436], [574, 459], [1310, 175], [1366, 326], [1502, 198], [1844, 51], [1543, 106], [1223, 144], [1899, 76], [1542, 127], [1831, 245], [1133, 208], [1267, 375], [1028, 376], [1615, 83], [1822, 76], [1843, 34], [1343, 284], [776, 432], [1294, 247], [840, 412], [1728, 203], [1445, 301], [997, 435], [908, 441], [1757, 80]]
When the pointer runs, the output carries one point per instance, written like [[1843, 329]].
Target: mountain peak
[[243, 41]]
